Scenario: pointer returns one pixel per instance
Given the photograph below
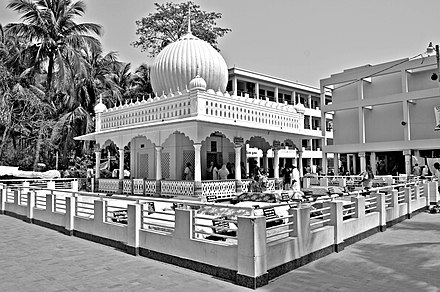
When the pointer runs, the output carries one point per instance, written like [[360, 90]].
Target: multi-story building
[[255, 85], [384, 115]]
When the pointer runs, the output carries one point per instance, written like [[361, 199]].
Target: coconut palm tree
[[49, 27]]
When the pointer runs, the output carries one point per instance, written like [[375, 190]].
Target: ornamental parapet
[[207, 106]]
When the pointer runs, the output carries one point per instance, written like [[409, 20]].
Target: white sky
[[299, 40]]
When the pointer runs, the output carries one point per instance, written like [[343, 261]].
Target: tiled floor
[[404, 258]]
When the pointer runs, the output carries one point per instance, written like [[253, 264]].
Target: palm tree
[[49, 27]]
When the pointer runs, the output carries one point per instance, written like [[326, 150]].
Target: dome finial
[[189, 17]]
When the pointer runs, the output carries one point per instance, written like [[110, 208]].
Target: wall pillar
[[197, 170], [257, 90], [336, 220], [237, 149], [158, 163], [381, 207], [363, 161], [252, 262], [121, 163], [97, 163], [336, 163], [300, 164], [408, 201], [70, 214], [134, 225], [373, 162], [408, 159], [276, 163]]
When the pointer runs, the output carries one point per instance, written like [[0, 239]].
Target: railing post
[[394, 198], [158, 188], [30, 206], [301, 228], [70, 215], [306, 182], [408, 202], [3, 194], [74, 185], [359, 206], [134, 225], [50, 202], [252, 261], [99, 216], [342, 182], [25, 188], [427, 192], [336, 220], [183, 223], [17, 194], [238, 186], [51, 185], [434, 197], [381, 208], [416, 192]]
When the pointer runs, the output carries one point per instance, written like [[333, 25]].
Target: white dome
[[100, 107], [197, 83], [177, 64]]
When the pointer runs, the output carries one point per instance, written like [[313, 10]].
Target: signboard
[[238, 140], [219, 223], [211, 198], [270, 213], [285, 197]]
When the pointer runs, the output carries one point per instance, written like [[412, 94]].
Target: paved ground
[[404, 258]]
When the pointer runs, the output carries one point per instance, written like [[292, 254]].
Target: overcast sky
[[299, 40]]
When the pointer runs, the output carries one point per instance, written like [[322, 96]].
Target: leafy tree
[[170, 22]]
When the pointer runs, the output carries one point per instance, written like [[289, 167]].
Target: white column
[[197, 162], [234, 85], [121, 163], [373, 162], [276, 94], [276, 163], [97, 163], [324, 163], [309, 101], [158, 162], [407, 154], [257, 90], [300, 164], [237, 149], [293, 98], [363, 161]]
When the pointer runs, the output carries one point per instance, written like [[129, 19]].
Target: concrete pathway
[[404, 258]]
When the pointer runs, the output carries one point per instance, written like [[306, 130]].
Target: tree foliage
[[170, 22]]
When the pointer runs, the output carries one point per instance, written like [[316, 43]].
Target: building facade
[[194, 120], [383, 115], [259, 86]]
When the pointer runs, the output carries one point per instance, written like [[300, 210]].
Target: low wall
[[250, 260]]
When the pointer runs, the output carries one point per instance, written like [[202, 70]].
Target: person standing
[[367, 178], [210, 170], [223, 172], [187, 173], [215, 172], [296, 183], [287, 181], [417, 171]]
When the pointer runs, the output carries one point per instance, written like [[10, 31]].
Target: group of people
[[226, 171], [291, 178]]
